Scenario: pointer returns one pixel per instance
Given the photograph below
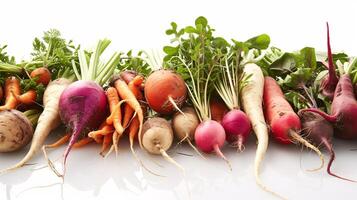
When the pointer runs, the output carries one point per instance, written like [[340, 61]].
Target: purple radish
[[320, 131], [343, 110], [237, 127], [328, 84]]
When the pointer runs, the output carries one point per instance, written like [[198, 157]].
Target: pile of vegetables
[[206, 90]]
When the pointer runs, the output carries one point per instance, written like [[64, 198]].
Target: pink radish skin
[[237, 127], [343, 110], [209, 137], [328, 84], [83, 106]]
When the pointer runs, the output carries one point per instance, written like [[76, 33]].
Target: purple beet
[[320, 131]]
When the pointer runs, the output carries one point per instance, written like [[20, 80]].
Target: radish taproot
[[328, 84], [83, 104], [343, 110], [15, 130], [157, 138], [284, 122], [47, 122], [320, 131], [165, 91]]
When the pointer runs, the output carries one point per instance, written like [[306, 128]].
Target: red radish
[[42, 75], [284, 122], [237, 127], [320, 132], [218, 109], [328, 84], [343, 110], [165, 91]]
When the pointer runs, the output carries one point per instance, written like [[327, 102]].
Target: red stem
[[329, 118], [328, 145]]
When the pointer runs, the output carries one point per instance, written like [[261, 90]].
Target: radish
[[83, 104], [165, 91], [320, 131], [343, 110], [229, 86], [328, 84]]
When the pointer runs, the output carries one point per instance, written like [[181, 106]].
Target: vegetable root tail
[[194, 148], [169, 159], [332, 158], [220, 154], [131, 141], [173, 103], [301, 140]]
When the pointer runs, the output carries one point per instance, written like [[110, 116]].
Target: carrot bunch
[[112, 129], [13, 96]]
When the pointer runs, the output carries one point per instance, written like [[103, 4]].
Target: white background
[[140, 25]]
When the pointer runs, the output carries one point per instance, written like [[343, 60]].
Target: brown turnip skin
[[157, 134], [15, 130], [185, 125]]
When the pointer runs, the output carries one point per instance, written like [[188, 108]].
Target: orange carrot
[[42, 75], [28, 97], [12, 88], [106, 143], [133, 130], [104, 130], [126, 94], [134, 88], [83, 142], [59, 142]]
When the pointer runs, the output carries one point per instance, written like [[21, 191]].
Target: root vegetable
[[237, 127], [15, 130], [165, 91], [343, 110], [320, 132], [42, 75], [157, 138]]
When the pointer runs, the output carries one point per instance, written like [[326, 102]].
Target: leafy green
[[4, 57], [53, 52], [136, 63], [210, 63]]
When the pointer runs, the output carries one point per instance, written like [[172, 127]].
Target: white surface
[[141, 24]]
